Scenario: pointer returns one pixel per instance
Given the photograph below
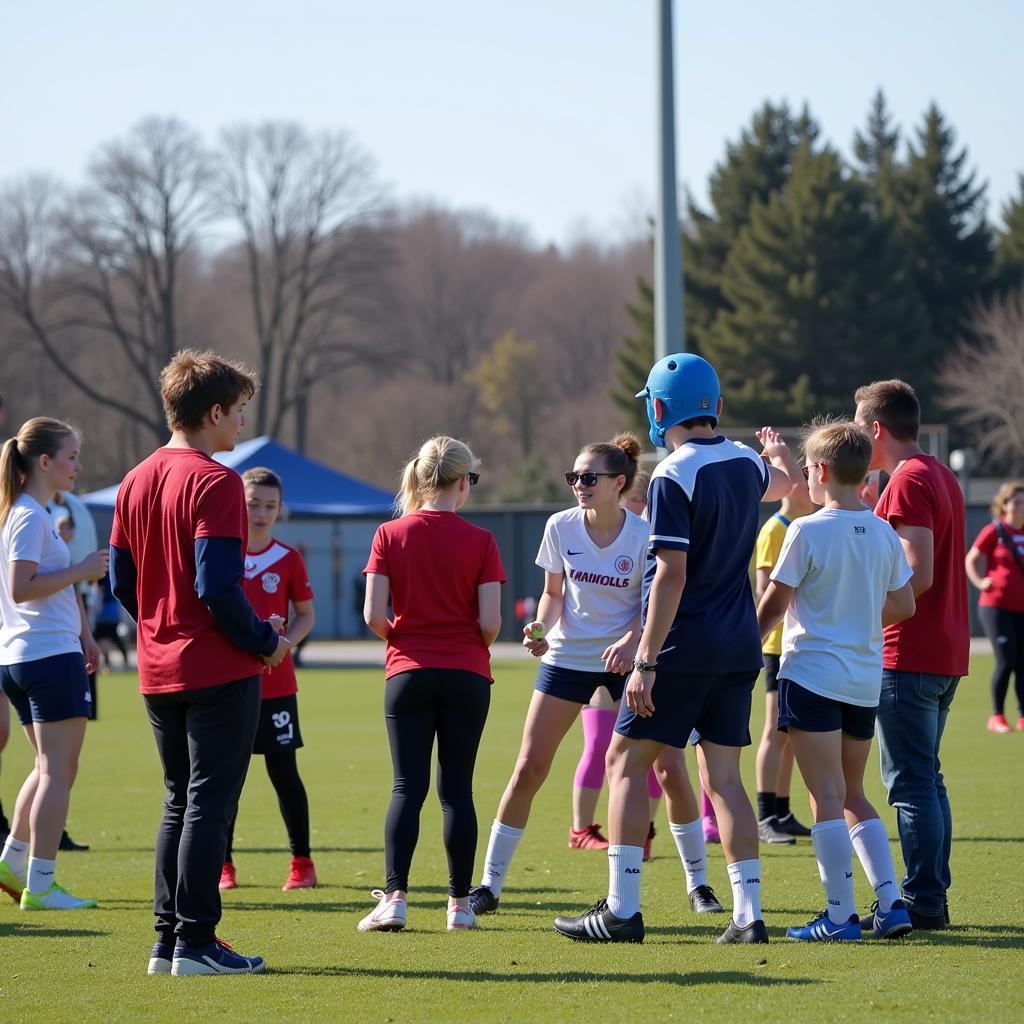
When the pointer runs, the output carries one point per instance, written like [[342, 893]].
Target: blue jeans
[[912, 714]]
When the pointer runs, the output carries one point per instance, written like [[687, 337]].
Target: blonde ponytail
[[38, 436], [440, 462]]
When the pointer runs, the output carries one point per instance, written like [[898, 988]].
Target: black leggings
[[1005, 630], [291, 798], [418, 706]]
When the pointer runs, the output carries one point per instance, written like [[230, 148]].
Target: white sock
[[871, 844], [624, 879], [15, 856], [835, 866], [693, 852], [500, 848], [40, 874], [745, 879]]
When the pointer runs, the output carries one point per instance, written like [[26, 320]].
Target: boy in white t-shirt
[[841, 576]]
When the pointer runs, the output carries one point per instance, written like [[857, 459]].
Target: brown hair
[[260, 476], [36, 437], [439, 463], [193, 382], [842, 446], [1006, 491], [620, 454], [892, 403]]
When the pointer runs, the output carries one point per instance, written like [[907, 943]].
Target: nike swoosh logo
[[574, 553]]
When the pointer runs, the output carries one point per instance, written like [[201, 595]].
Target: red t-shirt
[[936, 640], [1007, 590], [274, 578], [163, 505], [435, 562]]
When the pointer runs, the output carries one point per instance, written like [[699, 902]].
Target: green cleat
[[10, 882], [54, 898]]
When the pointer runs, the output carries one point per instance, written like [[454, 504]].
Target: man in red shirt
[[177, 548], [924, 656]]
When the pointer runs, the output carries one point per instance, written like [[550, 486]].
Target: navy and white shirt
[[704, 500]]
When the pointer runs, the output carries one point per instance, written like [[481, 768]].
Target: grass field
[[91, 965]]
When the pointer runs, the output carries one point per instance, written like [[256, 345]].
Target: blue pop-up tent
[[310, 487]]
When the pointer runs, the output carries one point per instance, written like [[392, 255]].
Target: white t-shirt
[[47, 627], [842, 565], [602, 590]]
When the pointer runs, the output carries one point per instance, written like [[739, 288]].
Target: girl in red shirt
[[995, 565], [443, 578]]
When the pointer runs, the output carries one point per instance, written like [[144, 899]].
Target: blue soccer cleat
[[216, 957], [893, 924], [161, 957], [821, 929]]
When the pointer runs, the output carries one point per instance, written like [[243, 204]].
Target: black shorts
[[105, 631], [771, 672], [572, 685], [717, 705], [48, 690], [809, 711], [279, 726]]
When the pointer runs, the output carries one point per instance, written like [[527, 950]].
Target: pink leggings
[[598, 726]]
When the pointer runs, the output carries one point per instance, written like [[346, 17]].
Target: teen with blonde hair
[[443, 577], [43, 634]]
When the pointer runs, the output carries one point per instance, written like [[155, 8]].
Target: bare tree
[[982, 380], [103, 268], [305, 204]]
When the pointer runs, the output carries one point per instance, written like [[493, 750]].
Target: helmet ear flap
[[659, 409]]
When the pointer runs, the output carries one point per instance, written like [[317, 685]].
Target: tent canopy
[[310, 487]]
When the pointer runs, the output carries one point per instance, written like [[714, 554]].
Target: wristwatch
[[644, 666]]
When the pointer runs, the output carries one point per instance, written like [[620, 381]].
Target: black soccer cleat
[[482, 900], [599, 924], [792, 827], [704, 901], [754, 932], [68, 845]]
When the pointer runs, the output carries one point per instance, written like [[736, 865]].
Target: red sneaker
[[588, 838], [227, 877], [301, 876], [1020, 724], [647, 842], [998, 723]]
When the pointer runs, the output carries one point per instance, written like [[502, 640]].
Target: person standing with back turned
[[177, 550], [924, 656]]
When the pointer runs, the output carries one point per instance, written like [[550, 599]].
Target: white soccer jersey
[[601, 595]]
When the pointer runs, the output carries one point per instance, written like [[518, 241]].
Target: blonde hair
[[842, 446], [439, 463], [37, 437], [1006, 491]]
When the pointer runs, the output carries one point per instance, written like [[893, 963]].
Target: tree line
[[373, 324]]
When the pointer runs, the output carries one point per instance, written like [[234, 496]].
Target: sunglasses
[[587, 479], [474, 479]]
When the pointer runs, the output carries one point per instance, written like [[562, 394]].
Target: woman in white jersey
[[587, 629], [43, 636]]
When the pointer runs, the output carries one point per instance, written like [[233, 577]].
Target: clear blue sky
[[541, 112]]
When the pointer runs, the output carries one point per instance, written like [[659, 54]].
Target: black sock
[[765, 805], [782, 806]]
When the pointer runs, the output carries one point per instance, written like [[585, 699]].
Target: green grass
[[91, 965]]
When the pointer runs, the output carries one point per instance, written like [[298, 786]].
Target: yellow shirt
[[766, 554]]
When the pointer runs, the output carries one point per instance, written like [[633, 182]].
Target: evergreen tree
[[875, 150], [819, 299], [634, 358], [1010, 254], [940, 215]]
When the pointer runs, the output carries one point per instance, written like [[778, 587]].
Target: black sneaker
[[703, 901], [927, 922], [599, 924], [792, 827], [68, 845], [768, 831], [754, 932], [482, 900]]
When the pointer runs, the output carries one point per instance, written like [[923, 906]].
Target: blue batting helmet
[[688, 388]]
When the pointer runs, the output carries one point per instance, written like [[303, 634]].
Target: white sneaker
[[389, 915], [54, 898], [460, 919]]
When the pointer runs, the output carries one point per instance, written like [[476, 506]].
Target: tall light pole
[[669, 326]]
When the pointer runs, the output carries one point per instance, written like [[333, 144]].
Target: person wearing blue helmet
[[700, 651]]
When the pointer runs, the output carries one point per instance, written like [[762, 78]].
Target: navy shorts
[[578, 687], [278, 729], [717, 705], [48, 690], [809, 711], [771, 672]]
